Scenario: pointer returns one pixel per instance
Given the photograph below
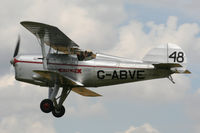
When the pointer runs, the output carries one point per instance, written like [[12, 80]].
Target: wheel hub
[[46, 105]]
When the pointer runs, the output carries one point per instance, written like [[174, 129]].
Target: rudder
[[167, 53]]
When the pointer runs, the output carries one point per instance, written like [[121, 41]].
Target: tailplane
[[167, 56]]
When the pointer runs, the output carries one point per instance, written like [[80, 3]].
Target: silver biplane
[[67, 66]]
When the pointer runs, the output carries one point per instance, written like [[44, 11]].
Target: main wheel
[[46, 105], [58, 112]]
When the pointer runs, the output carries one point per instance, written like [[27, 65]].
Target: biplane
[[64, 66]]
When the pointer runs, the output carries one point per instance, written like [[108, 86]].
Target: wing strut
[[41, 42]]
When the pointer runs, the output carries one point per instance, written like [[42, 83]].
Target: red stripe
[[16, 61]]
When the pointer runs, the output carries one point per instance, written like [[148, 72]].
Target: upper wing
[[51, 35], [50, 76]]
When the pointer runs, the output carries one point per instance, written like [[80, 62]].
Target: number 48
[[177, 56]]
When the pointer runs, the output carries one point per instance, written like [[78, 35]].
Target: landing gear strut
[[51, 104]]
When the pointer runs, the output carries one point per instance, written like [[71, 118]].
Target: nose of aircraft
[[13, 61]]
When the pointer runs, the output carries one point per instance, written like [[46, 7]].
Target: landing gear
[[46, 106], [58, 112], [53, 104]]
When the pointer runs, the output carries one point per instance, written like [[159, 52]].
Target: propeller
[[16, 51], [17, 47]]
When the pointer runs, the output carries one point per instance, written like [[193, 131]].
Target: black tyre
[[46, 105], [58, 112]]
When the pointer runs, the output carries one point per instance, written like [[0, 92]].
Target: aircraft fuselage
[[102, 71]]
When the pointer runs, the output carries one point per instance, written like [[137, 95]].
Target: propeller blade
[[17, 47]]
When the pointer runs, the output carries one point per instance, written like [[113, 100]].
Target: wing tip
[[85, 92], [187, 72], [94, 96], [25, 22]]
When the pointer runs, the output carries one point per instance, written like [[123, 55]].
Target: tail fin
[[167, 56], [167, 53]]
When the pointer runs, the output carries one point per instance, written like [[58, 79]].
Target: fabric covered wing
[[77, 87], [85, 92], [51, 35], [52, 76]]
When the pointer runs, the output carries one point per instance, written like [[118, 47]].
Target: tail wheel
[[58, 112], [46, 105]]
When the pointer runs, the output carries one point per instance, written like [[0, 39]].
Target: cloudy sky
[[123, 28]]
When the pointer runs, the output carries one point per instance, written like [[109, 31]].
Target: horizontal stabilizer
[[174, 67], [166, 65], [180, 70], [85, 92], [184, 72]]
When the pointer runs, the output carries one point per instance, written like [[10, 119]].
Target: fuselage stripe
[[34, 62]]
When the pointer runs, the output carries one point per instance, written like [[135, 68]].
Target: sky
[[127, 28]]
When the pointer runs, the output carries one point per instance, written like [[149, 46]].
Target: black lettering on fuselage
[[140, 74], [115, 76], [122, 74], [102, 76], [132, 74]]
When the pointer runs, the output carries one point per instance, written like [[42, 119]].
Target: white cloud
[[26, 123], [20, 111], [135, 41], [192, 109], [9, 81], [146, 128], [85, 107], [90, 24], [152, 92]]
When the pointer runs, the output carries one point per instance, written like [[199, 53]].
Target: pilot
[[88, 55], [85, 55], [80, 56]]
